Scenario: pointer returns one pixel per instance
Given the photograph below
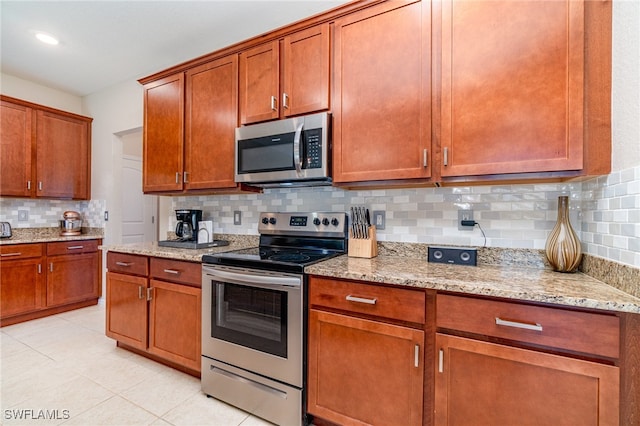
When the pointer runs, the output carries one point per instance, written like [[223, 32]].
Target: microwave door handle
[[297, 161]]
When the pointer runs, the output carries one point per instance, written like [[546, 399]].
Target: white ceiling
[[103, 43]]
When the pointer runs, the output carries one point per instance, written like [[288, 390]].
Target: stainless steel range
[[254, 314]]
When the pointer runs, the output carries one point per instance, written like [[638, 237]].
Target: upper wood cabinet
[[163, 134], [211, 120], [297, 82], [189, 125], [46, 152], [382, 97], [517, 82]]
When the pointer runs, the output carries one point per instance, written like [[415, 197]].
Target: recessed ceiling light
[[46, 38]]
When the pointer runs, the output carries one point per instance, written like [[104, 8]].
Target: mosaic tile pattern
[[48, 213]]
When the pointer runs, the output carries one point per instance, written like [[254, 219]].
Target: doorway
[[139, 211]]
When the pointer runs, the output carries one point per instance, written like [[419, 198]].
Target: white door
[[139, 211]]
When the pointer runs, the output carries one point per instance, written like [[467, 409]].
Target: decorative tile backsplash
[[605, 212]]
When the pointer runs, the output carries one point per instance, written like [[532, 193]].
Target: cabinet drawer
[[177, 271], [575, 331], [20, 251], [393, 303], [132, 264], [72, 247]]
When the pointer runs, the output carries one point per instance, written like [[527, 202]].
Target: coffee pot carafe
[[187, 226]]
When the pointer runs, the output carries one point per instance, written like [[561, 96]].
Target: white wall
[[36, 93], [625, 90]]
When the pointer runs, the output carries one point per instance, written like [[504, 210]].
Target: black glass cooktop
[[269, 258]]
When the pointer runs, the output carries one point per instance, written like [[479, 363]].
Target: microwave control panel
[[313, 147]]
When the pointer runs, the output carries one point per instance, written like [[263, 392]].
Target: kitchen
[[513, 216]]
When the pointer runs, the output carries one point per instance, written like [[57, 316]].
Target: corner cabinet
[[382, 94], [365, 353], [46, 152], [189, 129], [528, 364], [275, 85], [525, 87], [43, 279], [153, 308]]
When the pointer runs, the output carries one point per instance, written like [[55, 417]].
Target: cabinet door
[[63, 156], [163, 134], [381, 103], [15, 145], [364, 372], [482, 383], [175, 323], [259, 83], [72, 278], [512, 86], [211, 119], [22, 286], [127, 309], [306, 71]]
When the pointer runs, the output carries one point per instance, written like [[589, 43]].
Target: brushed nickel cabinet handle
[[172, 271], [416, 356], [51, 267], [140, 292], [75, 247], [40, 186], [357, 299], [274, 103], [285, 101], [39, 268], [124, 264], [185, 177], [518, 324], [177, 177], [424, 157], [446, 156], [441, 361], [17, 253], [149, 293], [29, 185]]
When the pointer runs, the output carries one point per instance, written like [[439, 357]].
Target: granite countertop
[[48, 235], [520, 283], [236, 242]]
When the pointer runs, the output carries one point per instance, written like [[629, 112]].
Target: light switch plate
[[237, 217]]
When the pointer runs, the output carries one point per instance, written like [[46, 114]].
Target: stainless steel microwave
[[290, 152]]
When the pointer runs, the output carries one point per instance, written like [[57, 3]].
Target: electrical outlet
[[465, 215], [378, 219], [237, 217], [23, 215]]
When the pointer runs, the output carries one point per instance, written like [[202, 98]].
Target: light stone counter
[[520, 283], [48, 235], [236, 242]]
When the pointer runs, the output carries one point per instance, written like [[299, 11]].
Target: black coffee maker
[[187, 227]]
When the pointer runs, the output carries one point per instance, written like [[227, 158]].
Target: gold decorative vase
[[563, 246]]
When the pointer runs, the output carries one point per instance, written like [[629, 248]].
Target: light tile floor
[[65, 369]]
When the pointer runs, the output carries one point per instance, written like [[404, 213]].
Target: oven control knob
[[265, 220], [334, 222], [325, 221], [272, 220], [316, 221]]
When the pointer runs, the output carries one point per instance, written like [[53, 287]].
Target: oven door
[[252, 319]]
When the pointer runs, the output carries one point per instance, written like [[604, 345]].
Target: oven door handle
[[248, 278]]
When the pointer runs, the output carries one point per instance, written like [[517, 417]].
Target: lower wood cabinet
[[43, 279], [489, 376], [154, 306], [364, 370]]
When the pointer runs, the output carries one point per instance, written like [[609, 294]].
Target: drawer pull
[[416, 356], [172, 271], [75, 247], [518, 324], [440, 361], [356, 299], [10, 254], [124, 264]]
